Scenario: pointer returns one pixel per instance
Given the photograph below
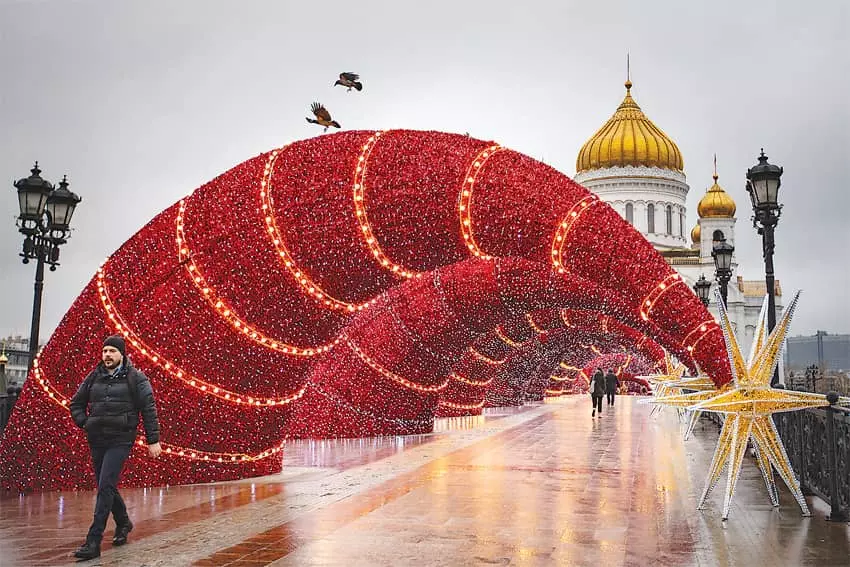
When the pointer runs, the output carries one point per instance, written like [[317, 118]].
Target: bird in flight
[[350, 80], [323, 117]]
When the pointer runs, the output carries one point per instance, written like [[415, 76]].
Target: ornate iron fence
[[815, 452]]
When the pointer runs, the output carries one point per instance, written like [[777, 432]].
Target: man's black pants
[[108, 462], [611, 398]]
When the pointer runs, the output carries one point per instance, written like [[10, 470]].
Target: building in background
[[638, 170], [16, 349]]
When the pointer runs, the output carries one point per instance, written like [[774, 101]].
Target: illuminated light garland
[[560, 378], [172, 369], [182, 452], [457, 377], [306, 283], [693, 347], [389, 374], [660, 289], [593, 348], [554, 392], [568, 367], [534, 326], [225, 311], [507, 340], [453, 405], [465, 200], [604, 323], [564, 227], [360, 212], [565, 318], [486, 359]]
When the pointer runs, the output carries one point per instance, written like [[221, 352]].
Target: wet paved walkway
[[541, 485]]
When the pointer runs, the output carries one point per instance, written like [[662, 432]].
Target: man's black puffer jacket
[[105, 407]]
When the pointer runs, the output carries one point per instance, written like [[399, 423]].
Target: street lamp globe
[[702, 287], [33, 192], [60, 208], [763, 182], [722, 254]]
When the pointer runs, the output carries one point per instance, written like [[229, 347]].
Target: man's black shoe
[[88, 550], [121, 533]]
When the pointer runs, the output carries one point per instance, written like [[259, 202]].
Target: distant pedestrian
[[612, 384], [597, 391], [107, 405]]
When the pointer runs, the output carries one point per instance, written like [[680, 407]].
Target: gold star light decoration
[[748, 406], [663, 385]]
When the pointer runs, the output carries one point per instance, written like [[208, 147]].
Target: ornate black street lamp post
[[722, 254], [44, 220], [702, 287], [763, 181]]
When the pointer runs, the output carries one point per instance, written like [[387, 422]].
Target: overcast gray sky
[[140, 102]]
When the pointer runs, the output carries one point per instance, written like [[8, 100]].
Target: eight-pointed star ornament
[[748, 406]]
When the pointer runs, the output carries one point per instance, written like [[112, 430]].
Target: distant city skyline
[[140, 103]]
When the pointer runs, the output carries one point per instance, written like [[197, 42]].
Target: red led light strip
[[391, 375], [174, 450], [660, 289], [360, 211], [449, 404], [225, 311], [173, 370], [507, 340], [309, 287], [465, 200], [534, 326], [486, 359], [572, 217], [465, 380], [705, 328]]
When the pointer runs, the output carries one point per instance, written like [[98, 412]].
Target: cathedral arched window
[[630, 213], [669, 220], [717, 236], [681, 224], [650, 218]]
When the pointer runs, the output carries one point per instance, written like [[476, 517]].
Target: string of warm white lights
[[306, 283], [655, 294], [174, 370], [225, 311], [361, 214], [465, 380], [465, 199], [564, 227], [453, 405], [387, 373]]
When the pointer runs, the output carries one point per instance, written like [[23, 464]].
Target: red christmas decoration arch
[[329, 288]]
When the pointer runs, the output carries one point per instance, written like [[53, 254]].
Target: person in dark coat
[[611, 385], [107, 406], [597, 391]]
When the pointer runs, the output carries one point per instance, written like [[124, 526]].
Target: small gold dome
[[716, 203], [696, 232], [629, 138]]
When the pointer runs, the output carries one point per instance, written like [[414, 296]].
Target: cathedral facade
[[638, 170]]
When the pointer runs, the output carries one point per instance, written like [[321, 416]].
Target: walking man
[[597, 391], [612, 383], [107, 406]]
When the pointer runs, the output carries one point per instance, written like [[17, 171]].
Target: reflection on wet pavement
[[538, 485]]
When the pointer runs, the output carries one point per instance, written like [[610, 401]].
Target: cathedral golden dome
[[629, 138], [696, 232], [716, 203]]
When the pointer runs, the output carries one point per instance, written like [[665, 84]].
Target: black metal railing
[[819, 452], [818, 444]]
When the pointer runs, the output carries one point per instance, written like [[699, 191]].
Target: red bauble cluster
[[354, 284]]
